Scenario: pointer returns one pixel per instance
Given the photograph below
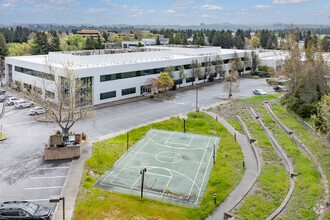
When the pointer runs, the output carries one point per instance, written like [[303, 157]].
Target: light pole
[[142, 172], [197, 110], [184, 117], [55, 200]]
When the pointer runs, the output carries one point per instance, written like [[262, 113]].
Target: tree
[[247, 61], [308, 38], [322, 116], [73, 97], [326, 44], [105, 36], [99, 43], [255, 61], [170, 71], [207, 67], [17, 49], [165, 81], [138, 34], [171, 40], [157, 40], [237, 64], [254, 42], [219, 66], [54, 42], [90, 43], [177, 38], [182, 74], [3, 53], [231, 84], [196, 70], [40, 44], [308, 82], [154, 83], [75, 42]]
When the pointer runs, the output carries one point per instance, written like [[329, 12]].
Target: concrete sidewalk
[[248, 179]]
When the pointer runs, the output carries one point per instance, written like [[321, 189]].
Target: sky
[[164, 12]]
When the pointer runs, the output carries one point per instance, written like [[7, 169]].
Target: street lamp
[[142, 173], [55, 200], [184, 117]]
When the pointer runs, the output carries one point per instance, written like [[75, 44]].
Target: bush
[[58, 132], [263, 68], [173, 87], [211, 79], [263, 73], [152, 96], [83, 136], [274, 82]]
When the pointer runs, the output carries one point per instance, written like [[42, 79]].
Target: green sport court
[[178, 167]]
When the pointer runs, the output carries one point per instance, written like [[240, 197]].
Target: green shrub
[[152, 96], [263, 68], [83, 136]]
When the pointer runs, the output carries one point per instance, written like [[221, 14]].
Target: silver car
[[259, 92], [37, 110]]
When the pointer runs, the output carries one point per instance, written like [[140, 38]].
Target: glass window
[[108, 95], [128, 91], [34, 73], [178, 81]]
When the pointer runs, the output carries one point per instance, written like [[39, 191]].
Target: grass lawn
[[94, 203], [308, 186], [273, 183]]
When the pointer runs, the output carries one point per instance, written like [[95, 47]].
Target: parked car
[[37, 110], [24, 210], [4, 97], [23, 104], [259, 92], [280, 89], [11, 100]]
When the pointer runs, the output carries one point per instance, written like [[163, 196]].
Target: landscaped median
[[94, 203]]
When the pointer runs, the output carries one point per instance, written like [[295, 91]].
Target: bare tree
[[219, 66], [182, 74], [231, 84], [154, 83], [196, 70], [170, 71], [255, 61], [207, 67], [72, 96], [247, 61]]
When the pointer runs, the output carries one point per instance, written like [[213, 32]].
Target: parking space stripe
[[50, 187], [52, 168], [36, 200], [47, 177]]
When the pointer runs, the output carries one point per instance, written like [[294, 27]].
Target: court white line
[[130, 160], [199, 167], [47, 177], [168, 182], [50, 187], [200, 189], [135, 182], [117, 165]]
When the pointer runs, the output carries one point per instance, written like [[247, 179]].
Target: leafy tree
[[219, 66], [40, 44], [255, 61], [177, 38], [308, 78], [99, 43], [138, 34], [105, 36], [165, 81], [75, 42], [17, 49], [158, 40], [308, 38], [231, 84], [184, 40], [90, 43], [326, 44], [171, 40], [322, 116], [254, 42], [207, 67], [3, 47]]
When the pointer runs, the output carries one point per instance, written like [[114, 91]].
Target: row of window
[[34, 73], [112, 94], [125, 75]]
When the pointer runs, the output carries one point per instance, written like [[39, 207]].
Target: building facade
[[113, 75]]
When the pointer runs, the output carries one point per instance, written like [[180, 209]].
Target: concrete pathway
[[248, 179]]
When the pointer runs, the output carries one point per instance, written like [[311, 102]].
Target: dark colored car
[[24, 210], [280, 89]]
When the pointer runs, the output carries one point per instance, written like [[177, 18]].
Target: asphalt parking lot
[[24, 175]]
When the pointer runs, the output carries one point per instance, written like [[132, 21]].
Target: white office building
[[114, 74]]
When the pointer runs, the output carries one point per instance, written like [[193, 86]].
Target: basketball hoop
[[183, 117]]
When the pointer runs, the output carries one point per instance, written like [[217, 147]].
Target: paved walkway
[[250, 174]]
